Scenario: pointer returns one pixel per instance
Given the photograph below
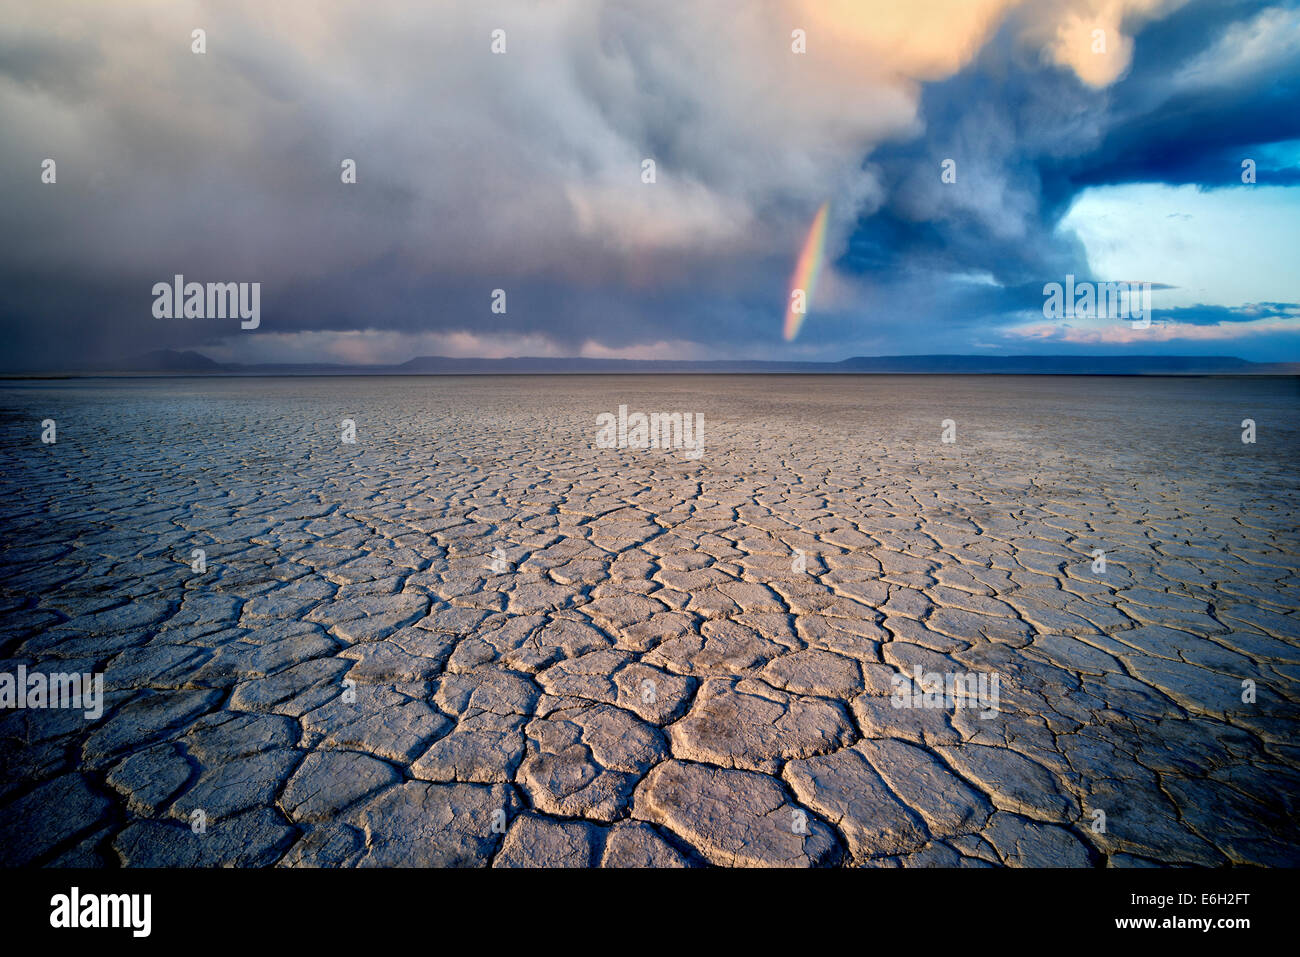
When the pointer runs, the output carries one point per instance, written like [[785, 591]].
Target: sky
[[967, 153]]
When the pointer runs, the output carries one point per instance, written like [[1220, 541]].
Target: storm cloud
[[522, 170]]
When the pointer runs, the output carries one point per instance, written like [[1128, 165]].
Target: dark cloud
[[1028, 137], [522, 172], [1213, 315]]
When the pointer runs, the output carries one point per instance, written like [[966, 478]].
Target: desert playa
[[475, 637]]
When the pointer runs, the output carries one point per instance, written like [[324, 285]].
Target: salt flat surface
[[473, 637]]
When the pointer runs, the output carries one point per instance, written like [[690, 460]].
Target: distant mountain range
[[170, 362]]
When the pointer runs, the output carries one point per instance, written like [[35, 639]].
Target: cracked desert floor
[[473, 637]]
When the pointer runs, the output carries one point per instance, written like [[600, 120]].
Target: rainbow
[[806, 271]]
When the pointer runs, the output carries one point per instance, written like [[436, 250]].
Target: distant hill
[[163, 361], [171, 362], [1067, 365]]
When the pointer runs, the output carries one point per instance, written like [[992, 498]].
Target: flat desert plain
[[1067, 637]]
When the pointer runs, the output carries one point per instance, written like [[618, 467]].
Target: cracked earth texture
[[652, 681]]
